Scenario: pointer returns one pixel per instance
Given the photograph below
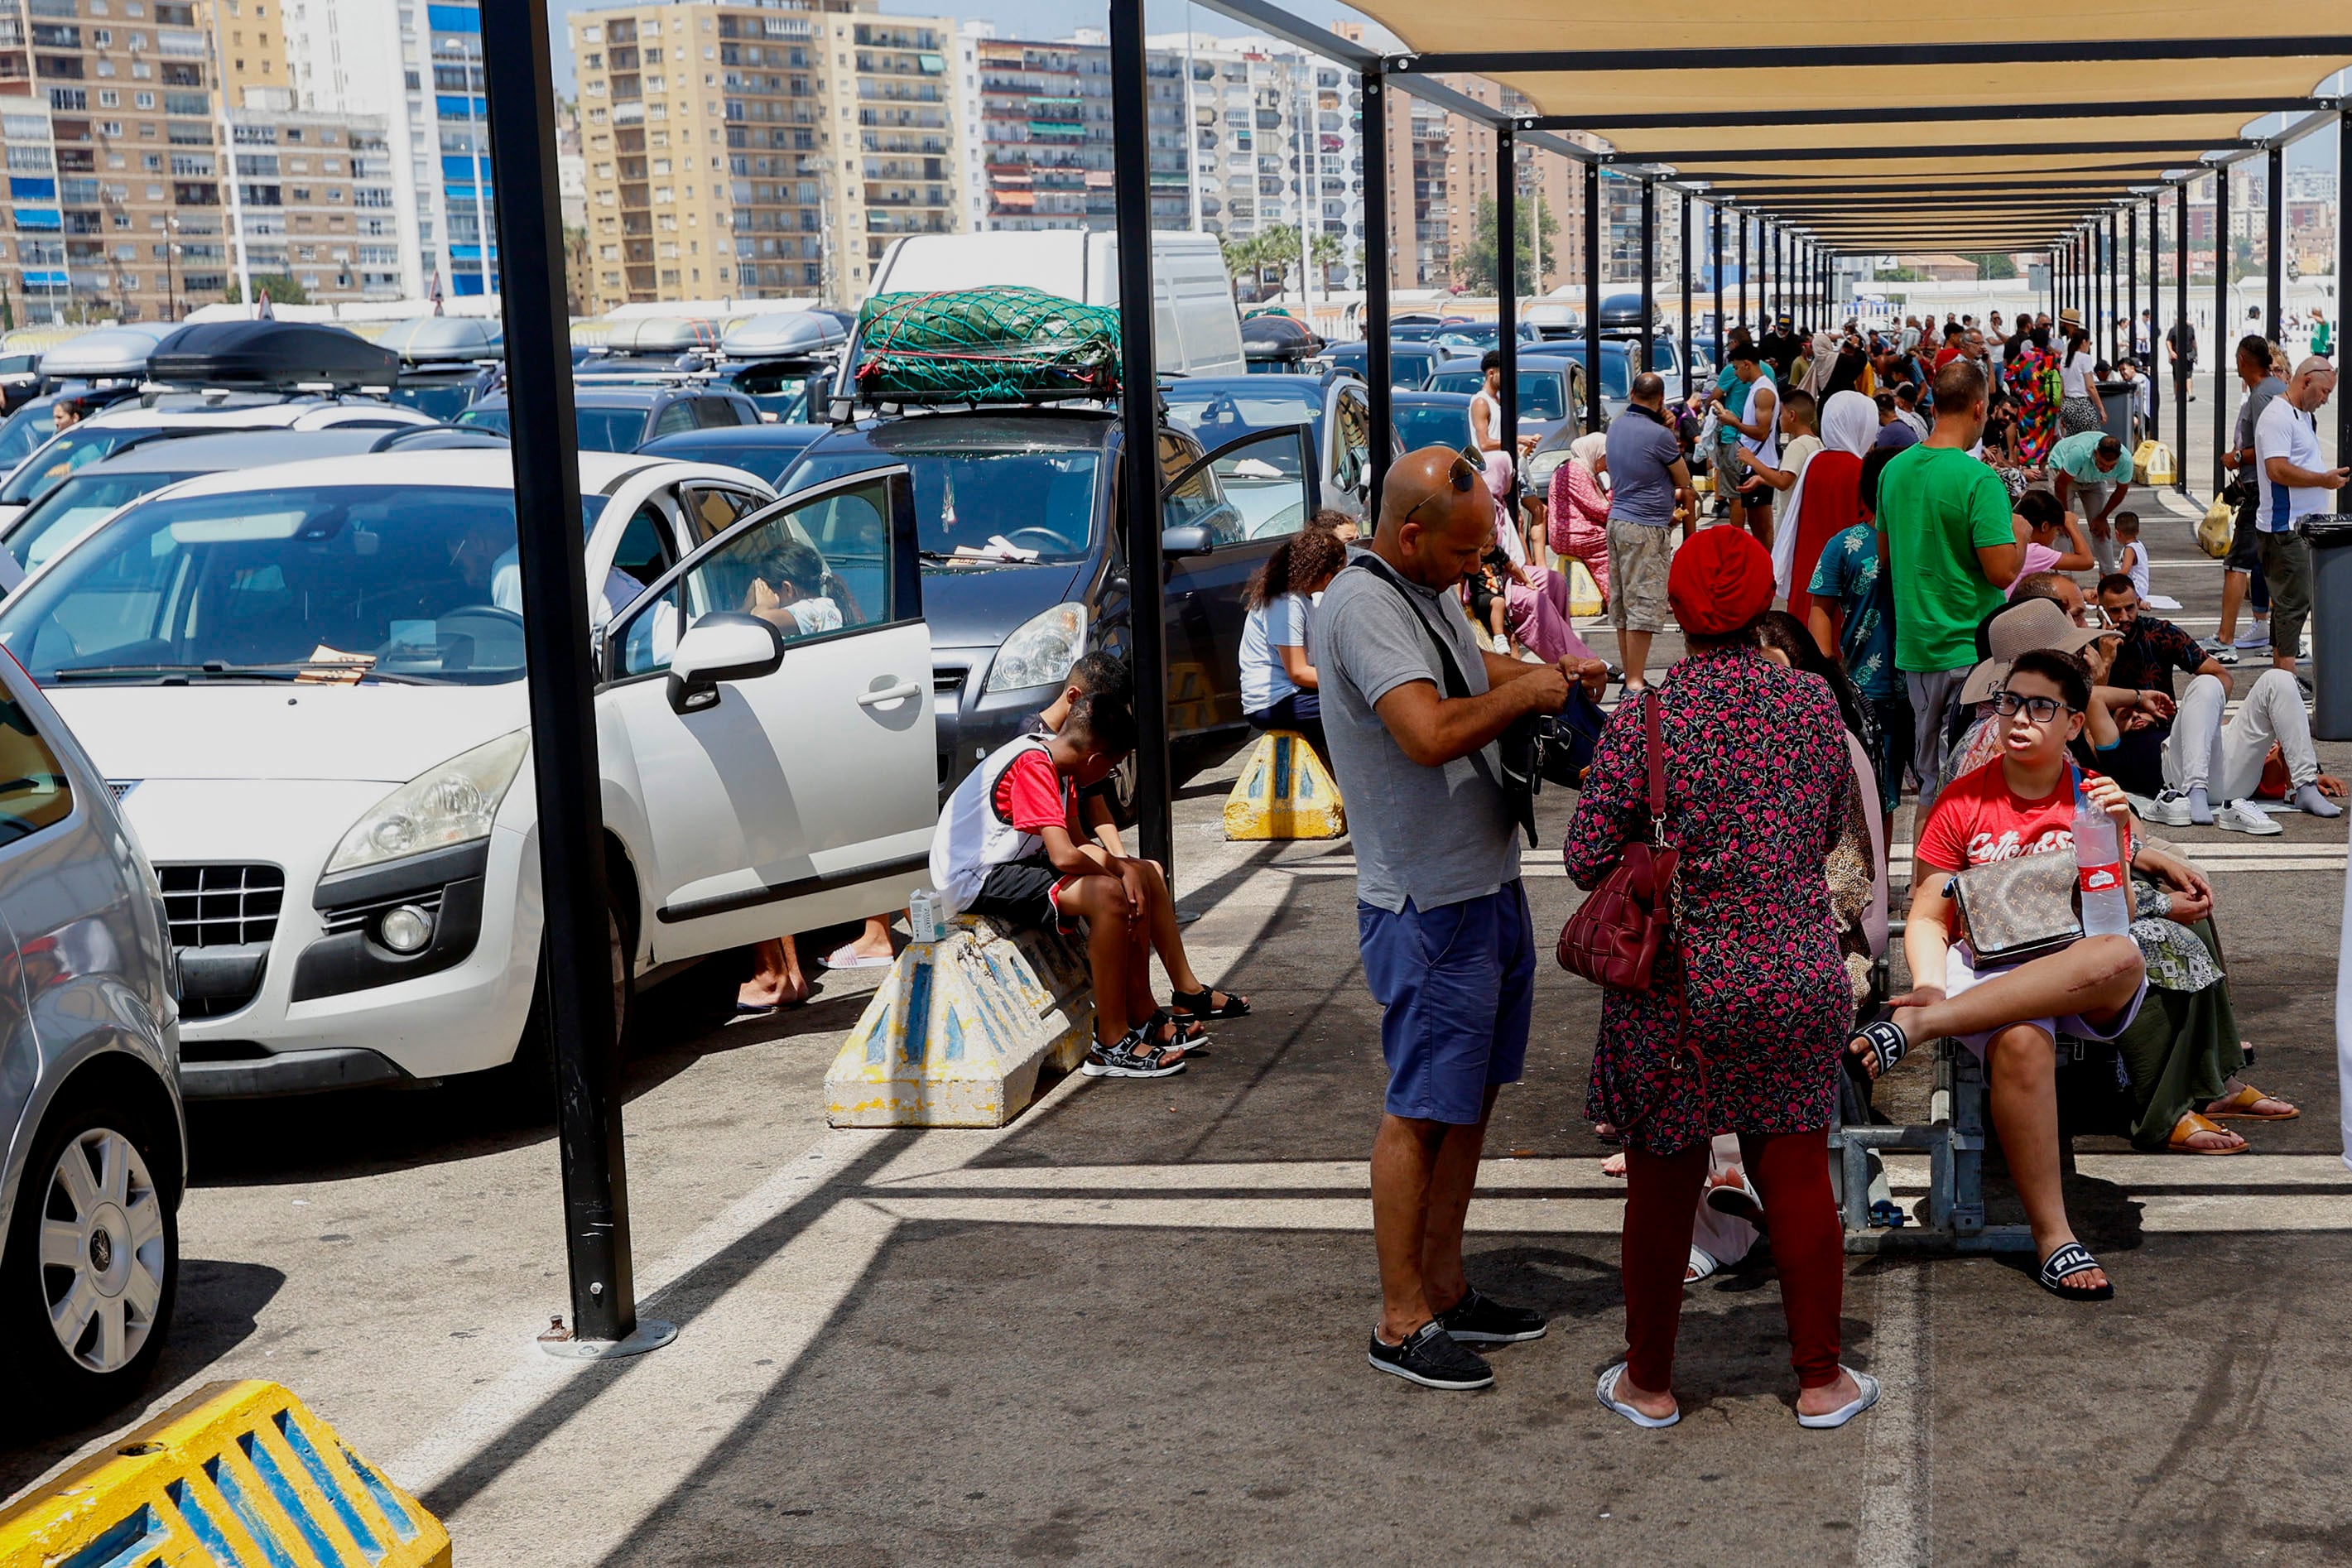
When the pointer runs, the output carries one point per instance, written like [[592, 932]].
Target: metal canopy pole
[[1379, 394], [1592, 416], [2154, 322], [1506, 303], [1743, 276], [2274, 243], [2342, 293], [1649, 269], [2180, 382], [1722, 329], [577, 958], [1131, 123], [2225, 353], [2109, 294], [1690, 338], [2131, 282]]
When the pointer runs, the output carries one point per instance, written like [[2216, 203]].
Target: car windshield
[[601, 429], [1036, 497], [70, 450], [1616, 366], [442, 400], [1439, 424], [1218, 413], [70, 509], [1541, 393], [312, 582], [769, 460], [26, 429]]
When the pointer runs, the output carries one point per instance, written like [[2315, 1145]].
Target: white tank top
[[972, 837], [1493, 416], [1766, 446]]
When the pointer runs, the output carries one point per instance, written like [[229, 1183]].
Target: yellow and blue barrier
[[237, 1475], [1284, 791], [959, 1033]]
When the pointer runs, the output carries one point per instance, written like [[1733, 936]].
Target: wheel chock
[[237, 1475], [958, 1034], [1583, 593], [1284, 791], [2154, 463]]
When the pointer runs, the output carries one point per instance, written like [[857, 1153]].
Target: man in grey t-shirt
[[1647, 479], [1448, 948]]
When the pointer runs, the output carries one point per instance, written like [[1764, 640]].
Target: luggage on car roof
[[783, 334], [107, 353], [423, 339], [661, 334], [273, 354], [978, 345]]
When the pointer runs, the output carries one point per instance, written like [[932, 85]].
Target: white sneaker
[[2244, 817], [2170, 808]]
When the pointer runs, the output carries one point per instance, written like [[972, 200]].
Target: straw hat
[[2070, 317], [2034, 622]]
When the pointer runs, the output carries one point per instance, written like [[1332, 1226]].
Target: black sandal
[[1134, 1056], [2068, 1260], [1884, 1038], [1190, 1031], [1203, 1003]]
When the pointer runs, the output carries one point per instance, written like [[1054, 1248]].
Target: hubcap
[[102, 1250]]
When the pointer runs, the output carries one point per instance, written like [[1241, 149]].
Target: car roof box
[[783, 334], [422, 340], [108, 353], [276, 355], [662, 335]]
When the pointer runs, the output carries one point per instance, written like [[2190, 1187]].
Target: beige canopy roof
[[1900, 122]]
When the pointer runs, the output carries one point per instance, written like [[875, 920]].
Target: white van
[[1196, 331]]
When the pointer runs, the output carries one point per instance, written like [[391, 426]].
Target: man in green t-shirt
[[1952, 550]]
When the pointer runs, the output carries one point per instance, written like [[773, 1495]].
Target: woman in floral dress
[[1758, 788], [2034, 382]]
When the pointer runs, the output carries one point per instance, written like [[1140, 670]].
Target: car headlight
[[1041, 651], [453, 803]]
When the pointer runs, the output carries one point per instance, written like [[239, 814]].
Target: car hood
[[979, 606], [281, 731]]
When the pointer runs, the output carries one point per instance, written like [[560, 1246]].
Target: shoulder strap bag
[[1614, 938], [2015, 910]]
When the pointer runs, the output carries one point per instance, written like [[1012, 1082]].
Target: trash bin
[[2116, 402], [2330, 535]]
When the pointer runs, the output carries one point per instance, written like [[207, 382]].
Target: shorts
[[1960, 974], [1028, 894], [2245, 555], [1456, 987], [1639, 558]]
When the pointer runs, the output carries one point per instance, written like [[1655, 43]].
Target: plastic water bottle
[[2105, 887]]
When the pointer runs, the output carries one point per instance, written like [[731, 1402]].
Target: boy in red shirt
[[2021, 804]]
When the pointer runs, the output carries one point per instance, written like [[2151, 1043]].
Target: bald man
[[1412, 706], [2293, 482]]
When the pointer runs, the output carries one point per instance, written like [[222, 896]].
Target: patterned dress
[[2033, 381], [1758, 788]]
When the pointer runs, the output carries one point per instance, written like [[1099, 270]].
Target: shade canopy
[[2001, 124]]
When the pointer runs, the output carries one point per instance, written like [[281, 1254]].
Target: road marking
[[1898, 1480]]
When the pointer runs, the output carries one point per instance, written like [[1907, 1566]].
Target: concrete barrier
[[1284, 791], [237, 1475], [959, 1033]]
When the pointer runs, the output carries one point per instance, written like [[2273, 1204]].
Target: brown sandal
[[2190, 1125], [2240, 1107]]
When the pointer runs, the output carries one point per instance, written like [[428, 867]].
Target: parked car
[[767, 451], [624, 416], [1475, 339], [784, 361], [1276, 344], [1430, 418], [20, 381], [135, 422], [446, 361], [1007, 623], [1411, 365], [93, 1143], [1216, 409], [308, 683], [79, 502], [1551, 390]]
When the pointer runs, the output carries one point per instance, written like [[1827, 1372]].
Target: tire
[[101, 1192], [528, 1082]]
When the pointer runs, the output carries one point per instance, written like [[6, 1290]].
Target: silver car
[[95, 1142]]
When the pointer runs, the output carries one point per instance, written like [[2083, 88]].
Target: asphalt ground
[[1130, 1328]]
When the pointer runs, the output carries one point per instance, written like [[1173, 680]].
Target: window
[[805, 570], [33, 790]]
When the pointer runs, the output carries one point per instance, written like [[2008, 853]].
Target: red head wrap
[[1720, 581]]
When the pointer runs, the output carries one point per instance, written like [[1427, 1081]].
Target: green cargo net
[[985, 345]]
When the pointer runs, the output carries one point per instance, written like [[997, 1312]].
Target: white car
[[130, 424], [306, 686]]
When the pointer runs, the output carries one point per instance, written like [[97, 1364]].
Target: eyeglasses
[[2040, 709], [1462, 476]]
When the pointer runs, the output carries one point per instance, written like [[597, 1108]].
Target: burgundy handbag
[[1614, 937]]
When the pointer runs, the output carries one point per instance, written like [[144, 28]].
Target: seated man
[[2200, 757], [2021, 803]]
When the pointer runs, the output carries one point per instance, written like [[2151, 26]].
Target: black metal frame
[[1943, 113], [1506, 301], [1689, 337], [1870, 56], [1695, 160], [2180, 383], [1592, 412], [2274, 246], [1649, 272], [2224, 340], [2343, 266]]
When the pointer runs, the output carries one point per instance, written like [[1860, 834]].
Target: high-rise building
[[108, 119], [1045, 134], [249, 37], [299, 179], [737, 147]]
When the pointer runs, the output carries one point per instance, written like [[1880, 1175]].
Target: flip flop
[[1884, 1038], [2070, 1259], [848, 957], [1703, 1266], [2240, 1107], [1606, 1391], [2189, 1126], [1850, 1408]]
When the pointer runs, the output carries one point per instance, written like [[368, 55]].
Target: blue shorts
[[1458, 986]]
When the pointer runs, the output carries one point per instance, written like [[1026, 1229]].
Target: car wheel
[[92, 1261]]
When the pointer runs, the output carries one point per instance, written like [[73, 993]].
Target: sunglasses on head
[[1460, 476]]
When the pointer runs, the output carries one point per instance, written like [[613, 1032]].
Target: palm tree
[[1328, 251]]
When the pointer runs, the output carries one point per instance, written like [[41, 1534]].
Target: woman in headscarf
[[1578, 507], [1825, 500], [1821, 365]]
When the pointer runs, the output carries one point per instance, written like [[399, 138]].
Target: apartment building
[[107, 123], [302, 179], [249, 38], [1045, 119], [1277, 142], [762, 149]]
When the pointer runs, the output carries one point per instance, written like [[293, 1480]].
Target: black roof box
[[277, 355]]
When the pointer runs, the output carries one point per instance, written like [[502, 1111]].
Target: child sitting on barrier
[[2021, 804]]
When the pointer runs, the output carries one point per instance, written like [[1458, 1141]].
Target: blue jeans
[[1457, 983]]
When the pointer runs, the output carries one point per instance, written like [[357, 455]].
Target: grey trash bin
[[2116, 399], [2330, 535]]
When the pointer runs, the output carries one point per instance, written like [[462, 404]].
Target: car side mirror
[[728, 645], [1183, 540]]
